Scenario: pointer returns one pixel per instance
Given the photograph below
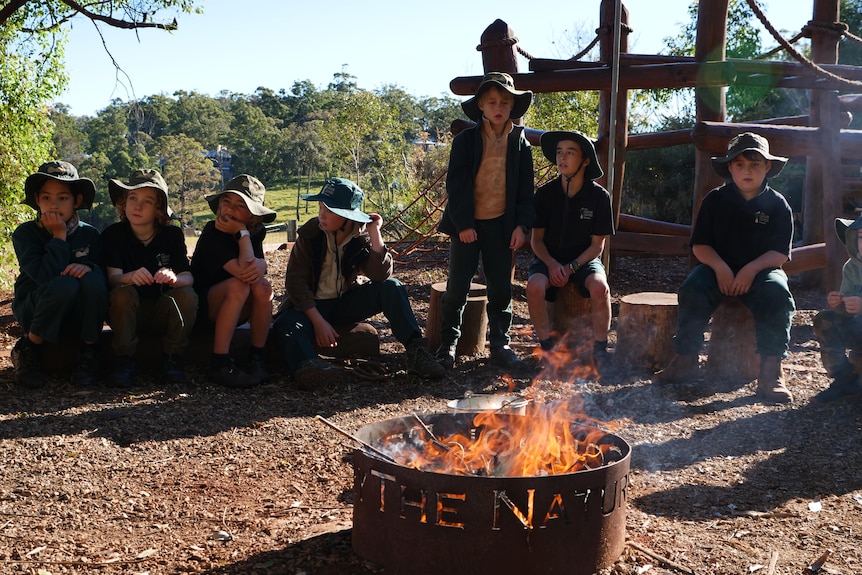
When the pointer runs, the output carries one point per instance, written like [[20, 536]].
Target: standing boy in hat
[[60, 285], [322, 290], [148, 271], [741, 238], [839, 328], [230, 277], [489, 212], [573, 221]]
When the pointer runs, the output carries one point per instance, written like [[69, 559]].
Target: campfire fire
[[549, 439]]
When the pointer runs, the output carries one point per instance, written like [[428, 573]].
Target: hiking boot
[[680, 368], [256, 367], [315, 374], [420, 362], [770, 381], [445, 355], [26, 358], [602, 358], [506, 358], [845, 386], [173, 368], [87, 371], [124, 372], [229, 375]]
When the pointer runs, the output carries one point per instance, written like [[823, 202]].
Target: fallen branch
[[667, 562], [773, 561]]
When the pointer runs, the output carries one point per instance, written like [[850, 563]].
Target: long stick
[[431, 433], [354, 438], [658, 557]]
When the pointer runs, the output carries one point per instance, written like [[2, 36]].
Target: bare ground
[[200, 479]]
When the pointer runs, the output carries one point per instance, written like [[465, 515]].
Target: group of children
[[137, 276]]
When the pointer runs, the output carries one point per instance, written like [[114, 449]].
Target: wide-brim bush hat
[[504, 81], [845, 229], [343, 198], [147, 178], [549, 141], [62, 172], [252, 192], [747, 142]]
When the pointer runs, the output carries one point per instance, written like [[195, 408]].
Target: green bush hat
[[846, 229], [251, 190], [747, 142], [549, 141], [523, 98], [62, 172], [343, 198], [147, 178]]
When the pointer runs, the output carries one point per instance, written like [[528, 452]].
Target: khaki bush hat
[[251, 190], [138, 179], [62, 172], [747, 142], [523, 98]]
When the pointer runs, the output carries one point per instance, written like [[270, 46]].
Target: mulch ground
[[200, 479]]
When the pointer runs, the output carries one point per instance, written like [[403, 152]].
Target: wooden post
[[822, 200], [645, 329], [474, 323], [710, 103], [620, 123], [291, 230]]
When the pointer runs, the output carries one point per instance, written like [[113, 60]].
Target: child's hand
[[252, 270], [229, 225], [468, 236], [375, 224], [559, 274], [518, 238], [142, 277], [165, 276], [76, 270], [853, 304], [324, 334], [54, 223], [834, 299]]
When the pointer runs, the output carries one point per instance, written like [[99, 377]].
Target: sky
[[419, 47]]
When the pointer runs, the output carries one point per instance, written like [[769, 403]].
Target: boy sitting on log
[[840, 327], [741, 238], [573, 221]]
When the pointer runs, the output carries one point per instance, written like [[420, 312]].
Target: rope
[[796, 54]]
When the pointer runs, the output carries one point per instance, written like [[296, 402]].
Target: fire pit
[[483, 519]]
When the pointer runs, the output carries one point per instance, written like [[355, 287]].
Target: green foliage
[[190, 175]]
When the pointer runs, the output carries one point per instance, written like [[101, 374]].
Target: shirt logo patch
[[586, 214], [761, 218], [163, 260], [82, 252]]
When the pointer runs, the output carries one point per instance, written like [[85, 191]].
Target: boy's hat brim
[[844, 225], [549, 141], [342, 197], [252, 192], [747, 142], [523, 98], [138, 179], [62, 172]]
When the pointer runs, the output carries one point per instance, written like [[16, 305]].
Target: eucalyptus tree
[[189, 173]]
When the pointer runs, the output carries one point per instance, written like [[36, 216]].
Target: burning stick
[[354, 438], [430, 433]]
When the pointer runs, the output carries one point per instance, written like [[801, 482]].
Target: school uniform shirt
[[571, 222], [214, 249], [741, 230], [124, 251], [41, 256]]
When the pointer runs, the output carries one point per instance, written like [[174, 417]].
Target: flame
[[549, 439]]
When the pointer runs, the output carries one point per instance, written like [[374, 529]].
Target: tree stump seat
[[474, 323], [732, 343], [645, 330]]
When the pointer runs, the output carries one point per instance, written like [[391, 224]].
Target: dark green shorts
[[593, 266]]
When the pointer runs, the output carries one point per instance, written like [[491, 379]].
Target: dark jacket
[[464, 160], [306, 262]]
